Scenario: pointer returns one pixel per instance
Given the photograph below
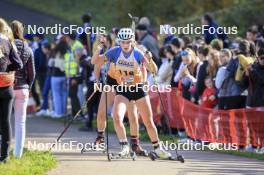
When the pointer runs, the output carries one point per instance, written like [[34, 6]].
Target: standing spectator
[[40, 60], [252, 33], [88, 73], [252, 49], [72, 71], [220, 80], [168, 37], [254, 80], [176, 46], [259, 44], [216, 44], [87, 37], [44, 109], [187, 42], [208, 99], [208, 22], [187, 72], [203, 52], [23, 81], [213, 63], [9, 62], [165, 71], [58, 79], [149, 42], [230, 92]]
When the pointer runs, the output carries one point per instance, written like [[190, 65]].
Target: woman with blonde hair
[[9, 62], [23, 81], [213, 63], [188, 71]]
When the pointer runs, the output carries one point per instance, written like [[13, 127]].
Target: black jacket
[[255, 84], [86, 69], [9, 59], [24, 77], [200, 86], [175, 66]]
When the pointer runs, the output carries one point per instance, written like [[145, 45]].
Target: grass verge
[[242, 154], [32, 162]]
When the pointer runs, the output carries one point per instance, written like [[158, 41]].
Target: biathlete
[[101, 119], [126, 67]]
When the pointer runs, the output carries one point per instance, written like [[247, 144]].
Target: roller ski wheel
[[153, 156], [131, 155], [180, 158], [94, 148], [109, 157]]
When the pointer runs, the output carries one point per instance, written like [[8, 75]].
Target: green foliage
[[113, 13]]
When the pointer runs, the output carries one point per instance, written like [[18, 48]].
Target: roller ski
[[125, 153], [160, 154], [98, 146]]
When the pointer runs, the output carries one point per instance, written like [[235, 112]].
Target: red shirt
[[206, 94]]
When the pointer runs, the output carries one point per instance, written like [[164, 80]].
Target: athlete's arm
[[97, 71], [149, 63], [98, 58]]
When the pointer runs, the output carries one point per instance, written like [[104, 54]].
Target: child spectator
[[208, 99]]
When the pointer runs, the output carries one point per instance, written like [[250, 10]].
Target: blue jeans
[[80, 94], [59, 92], [45, 93]]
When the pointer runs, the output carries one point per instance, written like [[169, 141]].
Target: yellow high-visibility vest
[[71, 66]]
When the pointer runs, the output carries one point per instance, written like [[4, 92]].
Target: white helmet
[[125, 34]]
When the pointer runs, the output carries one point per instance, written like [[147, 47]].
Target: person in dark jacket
[[44, 109], [41, 60], [40, 66], [208, 22], [87, 39], [230, 90], [23, 81], [203, 52], [254, 80], [149, 42], [176, 45], [89, 77], [9, 62]]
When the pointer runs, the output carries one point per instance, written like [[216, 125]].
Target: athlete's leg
[[144, 108], [134, 129], [118, 113], [133, 118], [101, 113]]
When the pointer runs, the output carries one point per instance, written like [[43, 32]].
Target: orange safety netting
[[240, 126]]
